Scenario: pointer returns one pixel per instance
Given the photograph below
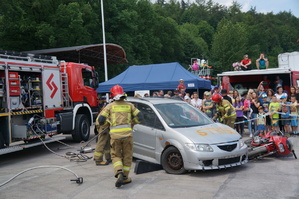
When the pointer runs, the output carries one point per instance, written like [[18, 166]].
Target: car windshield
[[182, 115]]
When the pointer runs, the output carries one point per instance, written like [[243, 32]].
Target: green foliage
[[230, 43], [164, 31]]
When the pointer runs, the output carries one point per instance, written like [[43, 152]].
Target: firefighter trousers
[[102, 147], [230, 121], [122, 155]]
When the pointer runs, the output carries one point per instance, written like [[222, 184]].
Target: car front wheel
[[172, 161]]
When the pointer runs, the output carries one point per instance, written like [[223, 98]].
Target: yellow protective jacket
[[122, 116], [226, 109]]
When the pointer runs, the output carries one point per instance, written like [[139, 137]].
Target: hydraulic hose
[[78, 180], [69, 155]]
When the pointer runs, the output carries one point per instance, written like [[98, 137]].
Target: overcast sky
[[263, 6]]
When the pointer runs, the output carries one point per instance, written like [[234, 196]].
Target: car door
[[145, 134]]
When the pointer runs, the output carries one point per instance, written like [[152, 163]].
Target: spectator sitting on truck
[[246, 63], [262, 62]]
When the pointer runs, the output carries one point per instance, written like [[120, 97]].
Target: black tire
[[82, 128], [172, 161]]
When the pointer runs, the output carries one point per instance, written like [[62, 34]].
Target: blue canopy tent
[[155, 77]]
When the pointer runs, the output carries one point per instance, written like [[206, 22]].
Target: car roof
[[154, 100]]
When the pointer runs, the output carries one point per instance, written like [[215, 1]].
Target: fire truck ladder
[[67, 100]]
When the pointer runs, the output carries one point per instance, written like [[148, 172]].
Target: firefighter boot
[[127, 180], [108, 158], [102, 163], [120, 179]]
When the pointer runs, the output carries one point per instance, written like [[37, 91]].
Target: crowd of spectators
[[259, 110]]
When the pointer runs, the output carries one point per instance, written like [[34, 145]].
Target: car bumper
[[195, 160]]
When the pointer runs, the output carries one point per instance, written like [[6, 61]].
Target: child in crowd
[[261, 121], [208, 105], [278, 82], [187, 98], [274, 107], [294, 112], [285, 116], [265, 104], [238, 104], [181, 85]]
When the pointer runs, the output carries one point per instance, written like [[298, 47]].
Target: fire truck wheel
[[82, 128]]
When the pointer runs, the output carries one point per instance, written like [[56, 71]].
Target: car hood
[[211, 134]]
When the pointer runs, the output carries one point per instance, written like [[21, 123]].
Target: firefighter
[[225, 111], [103, 145], [121, 116]]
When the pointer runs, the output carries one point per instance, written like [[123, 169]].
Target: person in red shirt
[[246, 63], [181, 85]]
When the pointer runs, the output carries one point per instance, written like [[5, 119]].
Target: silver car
[[180, 137]]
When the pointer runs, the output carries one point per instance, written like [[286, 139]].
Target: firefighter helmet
[[217, 98], [117, 92]]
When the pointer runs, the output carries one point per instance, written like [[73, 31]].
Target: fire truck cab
[[41, 97]]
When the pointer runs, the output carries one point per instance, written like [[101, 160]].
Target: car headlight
[[241, 143], [200, 147]]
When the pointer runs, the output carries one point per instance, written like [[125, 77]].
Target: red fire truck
[[41, 97], [287, 71]]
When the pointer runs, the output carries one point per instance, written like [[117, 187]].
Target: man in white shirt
[[196, 102]]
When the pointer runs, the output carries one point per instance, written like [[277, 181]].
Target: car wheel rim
[[175, 161]]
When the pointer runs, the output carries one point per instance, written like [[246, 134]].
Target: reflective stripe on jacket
[[120, 115], [226, 109]]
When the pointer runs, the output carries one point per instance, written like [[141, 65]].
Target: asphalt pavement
[[271, 177]]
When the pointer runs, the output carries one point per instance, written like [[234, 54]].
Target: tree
[[229, 44], [193, 44], [37, 24]]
